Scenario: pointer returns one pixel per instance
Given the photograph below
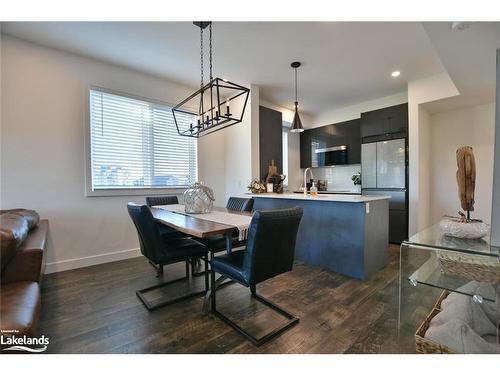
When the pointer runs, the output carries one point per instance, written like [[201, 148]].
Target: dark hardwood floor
[[95, 310]]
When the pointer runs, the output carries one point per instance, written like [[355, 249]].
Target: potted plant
[[356, 179]]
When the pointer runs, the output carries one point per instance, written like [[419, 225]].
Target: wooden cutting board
[[271, 171]]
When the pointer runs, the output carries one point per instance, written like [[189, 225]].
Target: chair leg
[[159, 270], [267, 337], [207, 283], [213, 288], [157, 267], [187, 268], [195, 262], [151, 306], [253, 290]]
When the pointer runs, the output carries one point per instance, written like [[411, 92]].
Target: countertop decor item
[[296, 123], [356, 178], [463, 226], [215, 105], [257, 187], [271, 171], [277, 181], [457, 227], [466, 178], [198, 199]]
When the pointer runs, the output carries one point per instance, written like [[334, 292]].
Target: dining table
[[197, 226]]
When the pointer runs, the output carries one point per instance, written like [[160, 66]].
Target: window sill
[[135, 192]]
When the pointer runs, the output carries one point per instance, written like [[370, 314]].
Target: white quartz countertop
[[324, 197]]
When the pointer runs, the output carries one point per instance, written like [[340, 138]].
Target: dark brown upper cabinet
[[385, 121], [341, 134], [270, 140]]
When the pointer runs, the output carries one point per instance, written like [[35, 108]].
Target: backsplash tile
[[338, 177]]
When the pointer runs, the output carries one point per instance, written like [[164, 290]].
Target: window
[[134, 145], [286, 130]]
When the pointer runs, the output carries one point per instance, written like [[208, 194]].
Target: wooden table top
[[195, 226]]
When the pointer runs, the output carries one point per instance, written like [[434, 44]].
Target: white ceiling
[[469, 57], [344, 63]]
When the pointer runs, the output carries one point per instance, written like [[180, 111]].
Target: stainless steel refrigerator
[[384, 172]]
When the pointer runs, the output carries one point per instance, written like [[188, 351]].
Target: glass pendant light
[[296, 123]]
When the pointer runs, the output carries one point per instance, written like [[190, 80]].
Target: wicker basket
[[470, 267], [424, 345]]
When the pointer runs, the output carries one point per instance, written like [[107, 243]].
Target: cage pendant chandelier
[[215, 106]]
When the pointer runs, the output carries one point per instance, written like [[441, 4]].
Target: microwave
[[336, 155]]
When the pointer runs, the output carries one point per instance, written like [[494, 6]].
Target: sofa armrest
[[29, 262]]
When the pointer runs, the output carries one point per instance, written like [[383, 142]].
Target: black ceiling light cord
[[209, 106], [296, 123]]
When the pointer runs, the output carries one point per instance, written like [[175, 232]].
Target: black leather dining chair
[[269, 252], [162, 251], [162, 200], [218, 243], [166, 231], [239, 204]]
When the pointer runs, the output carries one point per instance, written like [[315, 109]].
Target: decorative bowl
[[458, 229]]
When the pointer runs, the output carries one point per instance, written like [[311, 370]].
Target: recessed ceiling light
[[396, 73]]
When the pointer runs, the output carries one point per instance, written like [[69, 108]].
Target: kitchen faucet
[[305, 179]]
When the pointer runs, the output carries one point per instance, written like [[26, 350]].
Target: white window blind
[[134, 144]]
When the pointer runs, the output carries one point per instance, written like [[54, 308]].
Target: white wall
[[239, 160], [495, 220], [294, 172], [354, 111], [229, 158], [424, 168], [212, 164], [44, 111], [471, 126], [419, 92], [287, 114]]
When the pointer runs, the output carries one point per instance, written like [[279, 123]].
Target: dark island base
[[339, 236]]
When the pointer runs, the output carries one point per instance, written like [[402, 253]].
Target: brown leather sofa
[[23, 239]]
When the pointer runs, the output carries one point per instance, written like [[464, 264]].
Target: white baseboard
[[92, 260]]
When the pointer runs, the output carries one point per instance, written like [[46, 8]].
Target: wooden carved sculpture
[[466, 179]]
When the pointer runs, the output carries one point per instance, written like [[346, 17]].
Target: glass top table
[[433, 238], [434, 267]]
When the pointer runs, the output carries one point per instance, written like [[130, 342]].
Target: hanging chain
[[210, 34], [201, 55]]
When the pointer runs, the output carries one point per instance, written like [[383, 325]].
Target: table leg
[[220, 279], [229, 243]]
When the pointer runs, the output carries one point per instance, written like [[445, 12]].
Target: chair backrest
[[161, 201], [240, 204], [149, 235], [270, 249]]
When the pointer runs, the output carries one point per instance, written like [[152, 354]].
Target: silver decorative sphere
[[198, 199]]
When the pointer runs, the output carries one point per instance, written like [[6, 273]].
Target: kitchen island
[[347, 234]]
